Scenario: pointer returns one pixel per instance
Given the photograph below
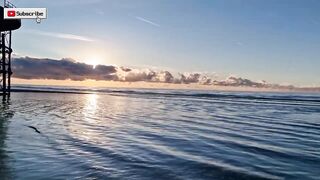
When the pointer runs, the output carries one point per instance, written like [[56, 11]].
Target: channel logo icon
[[11, 13]]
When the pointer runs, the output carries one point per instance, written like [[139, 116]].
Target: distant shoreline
[[47, 91], [90, 89]]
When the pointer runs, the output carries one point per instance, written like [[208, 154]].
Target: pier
[[6, 29]]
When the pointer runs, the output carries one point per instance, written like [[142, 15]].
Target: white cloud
[[61, 35], [147, 21]]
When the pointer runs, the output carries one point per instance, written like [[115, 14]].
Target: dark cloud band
[[68, 69], [32, 68]]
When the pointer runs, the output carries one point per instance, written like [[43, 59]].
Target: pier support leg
[[3, 65]]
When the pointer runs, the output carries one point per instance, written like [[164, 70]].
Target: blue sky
[[273, 40]]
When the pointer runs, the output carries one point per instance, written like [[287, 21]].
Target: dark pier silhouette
[[6, 28]]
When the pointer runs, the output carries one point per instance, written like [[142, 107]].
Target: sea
[[102, 133]]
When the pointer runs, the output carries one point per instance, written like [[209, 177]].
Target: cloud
[[33, 68], [238, 81], [147, 21], [69, 69], [61, 35]]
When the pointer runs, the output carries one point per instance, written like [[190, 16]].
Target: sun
[[94, 64], [94, 61], [93, 57]]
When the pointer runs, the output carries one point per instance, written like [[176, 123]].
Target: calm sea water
[[160, 134]]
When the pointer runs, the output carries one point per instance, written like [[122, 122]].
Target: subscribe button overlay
[[25, 13]]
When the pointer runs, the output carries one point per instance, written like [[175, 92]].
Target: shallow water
[[160, 134]]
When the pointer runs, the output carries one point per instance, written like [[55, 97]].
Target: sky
[[273, 40]]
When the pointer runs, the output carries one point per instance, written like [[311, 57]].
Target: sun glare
[[94, 61]]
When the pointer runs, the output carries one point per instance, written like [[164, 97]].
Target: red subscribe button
[[11, 13]]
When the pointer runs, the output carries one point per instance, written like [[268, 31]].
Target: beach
[[159, 134]]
